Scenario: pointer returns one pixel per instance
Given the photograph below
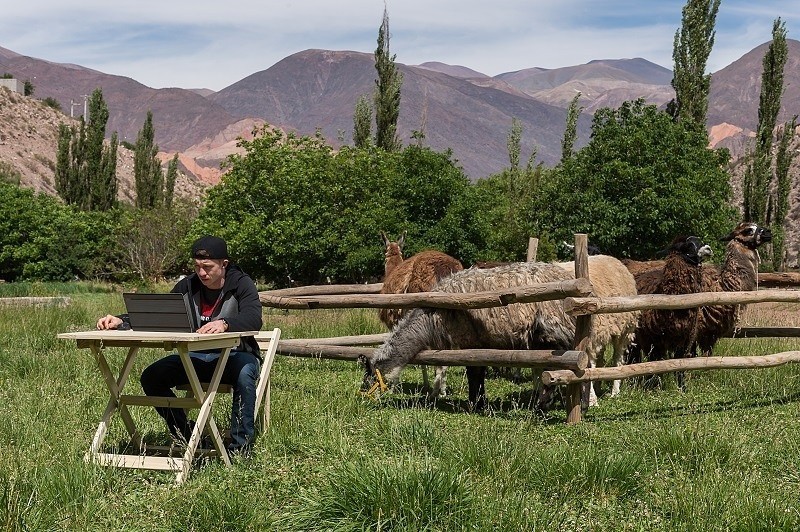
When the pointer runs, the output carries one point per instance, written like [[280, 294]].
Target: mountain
[[181, 117], [735, 89], [457, 108], [601, 83], [318, 89]]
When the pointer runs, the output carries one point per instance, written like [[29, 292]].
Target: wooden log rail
[[321, 289], [473, 300], [557, 377], [778, 279], [766, 332], [570, 360], [578, 306]]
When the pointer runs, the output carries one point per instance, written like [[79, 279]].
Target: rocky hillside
[[28, 145]]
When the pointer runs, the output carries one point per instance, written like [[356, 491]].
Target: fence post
[[533, 245], [583, 328]]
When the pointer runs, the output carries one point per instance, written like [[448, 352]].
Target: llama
[[739, 272], [418, 273], [662, 331], [539, 325]]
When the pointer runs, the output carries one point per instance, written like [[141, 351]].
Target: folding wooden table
[[201, 398]]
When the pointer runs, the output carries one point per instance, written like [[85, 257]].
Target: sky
[[205, 44]]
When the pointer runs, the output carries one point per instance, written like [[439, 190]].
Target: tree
[[101, 160], [28, 87], [292, 208], [43, 239], [153, 241], [169, 185], [362, 123], [571, 131], [387, 93], [86, 168], [758, 172], [641, 180], [691, 48], [147, 173], [783, 161]]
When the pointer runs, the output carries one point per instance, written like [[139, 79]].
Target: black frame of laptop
[[170, 312]]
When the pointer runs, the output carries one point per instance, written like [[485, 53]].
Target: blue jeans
[[241, 373]]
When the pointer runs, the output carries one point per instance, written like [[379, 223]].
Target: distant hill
[[601, 83], [181, 117], [735, 89], [457, 108], [318, 89]]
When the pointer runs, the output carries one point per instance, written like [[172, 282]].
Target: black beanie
[[209, 247]]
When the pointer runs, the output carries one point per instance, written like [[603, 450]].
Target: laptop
[[160, 312]]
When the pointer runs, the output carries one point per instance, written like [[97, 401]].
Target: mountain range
[[455, 107]]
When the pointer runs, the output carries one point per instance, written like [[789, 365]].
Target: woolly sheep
[[541, 325]]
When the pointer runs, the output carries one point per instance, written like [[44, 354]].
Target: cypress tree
[[571, 131], [149, 179], [362, 122], [691, 48], [387, 94], [783, 161], [86, 169], [169, 185], [758, 172]]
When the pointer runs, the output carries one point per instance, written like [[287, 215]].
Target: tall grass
[[721, 456]]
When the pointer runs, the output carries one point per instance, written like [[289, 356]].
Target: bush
[[641, 180], [291, 208], [42, 239]]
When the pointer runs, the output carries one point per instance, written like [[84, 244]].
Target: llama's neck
[[415, 332], [393, 259], [740, 268]]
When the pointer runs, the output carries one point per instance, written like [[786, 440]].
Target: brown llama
[[418, 273]]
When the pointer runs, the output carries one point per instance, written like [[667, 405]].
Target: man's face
[[211, 272]]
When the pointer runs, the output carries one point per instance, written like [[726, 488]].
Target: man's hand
[[109, 322], [212, 327]]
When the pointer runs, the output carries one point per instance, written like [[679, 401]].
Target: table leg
[[203, 417], [115, 387]]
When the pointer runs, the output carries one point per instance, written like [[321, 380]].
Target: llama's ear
[[727, 238], [402, 239], [384, 239]]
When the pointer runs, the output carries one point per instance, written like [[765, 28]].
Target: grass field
[[723, 455]]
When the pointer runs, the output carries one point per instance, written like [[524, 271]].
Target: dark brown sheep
[[418, 273]]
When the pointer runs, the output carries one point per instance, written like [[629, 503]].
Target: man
[[225, 299]]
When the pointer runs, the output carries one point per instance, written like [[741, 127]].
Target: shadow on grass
[[413, 396]]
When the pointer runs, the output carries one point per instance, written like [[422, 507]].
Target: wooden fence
[[568, 368]]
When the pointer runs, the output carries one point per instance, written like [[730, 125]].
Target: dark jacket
[[240, 306]]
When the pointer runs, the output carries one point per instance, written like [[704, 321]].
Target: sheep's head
[[369, 372], [749, 234], [690, 248]]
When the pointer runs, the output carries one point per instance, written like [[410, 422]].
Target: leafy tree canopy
[[641, 180], [294, 210]]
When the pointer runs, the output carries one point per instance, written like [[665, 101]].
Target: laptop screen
[[159, 312]]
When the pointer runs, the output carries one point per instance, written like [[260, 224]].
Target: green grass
[[723, 455]]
